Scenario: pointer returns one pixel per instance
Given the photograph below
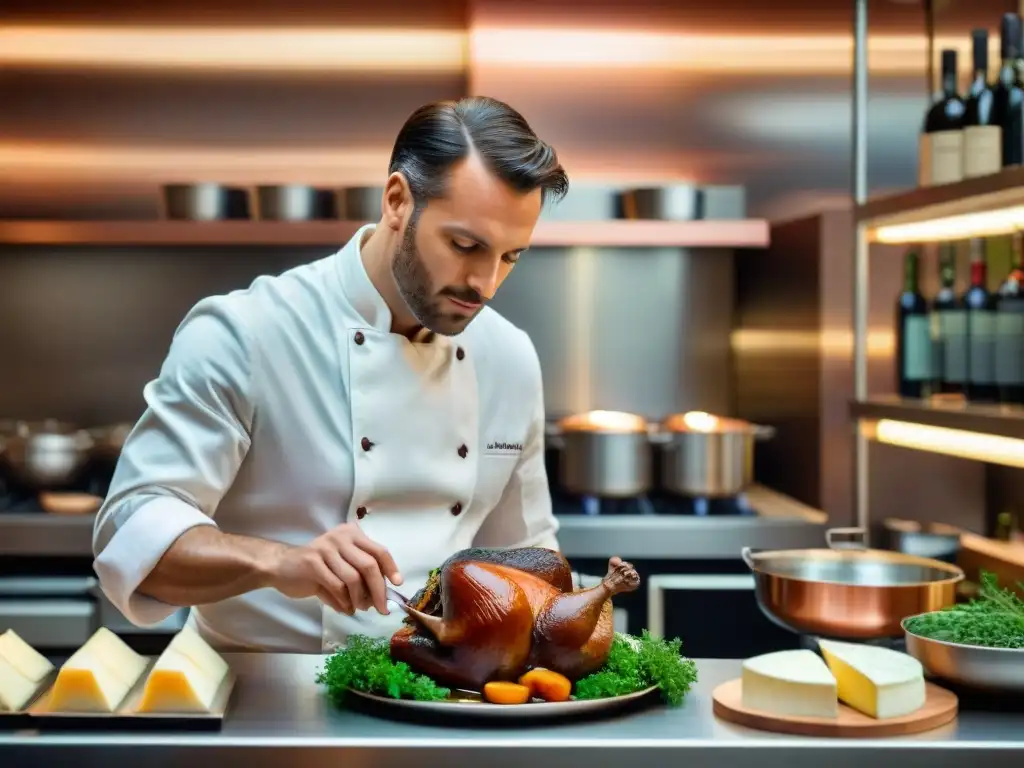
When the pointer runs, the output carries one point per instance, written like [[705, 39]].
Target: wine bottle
[[1010, 330], [1008, 92], [980, 306], [913, 334], [940, 155], [983, 151], [950, 327]]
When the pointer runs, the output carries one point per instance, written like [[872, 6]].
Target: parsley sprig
[[636, 663], [365, 664]]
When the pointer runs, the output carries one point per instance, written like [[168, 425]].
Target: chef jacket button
[[460, 353], [463, 450], [457, 509], [366, 444], [361, 513], [359, 337]]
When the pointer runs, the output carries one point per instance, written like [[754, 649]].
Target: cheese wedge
[[879, 682], [186, 677], [98, 676], [790, 683], [24, 658], [15, 689]]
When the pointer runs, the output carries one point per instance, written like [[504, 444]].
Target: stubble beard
[[416, 288]]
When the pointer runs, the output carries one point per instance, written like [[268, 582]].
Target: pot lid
[[604, 421], [700, 421]]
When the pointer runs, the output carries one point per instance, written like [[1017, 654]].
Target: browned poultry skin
[[502, 612]]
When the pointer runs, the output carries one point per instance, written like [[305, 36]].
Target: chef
[[352, 421]]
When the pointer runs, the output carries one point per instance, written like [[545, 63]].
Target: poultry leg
[[574, 630], [424, 655]]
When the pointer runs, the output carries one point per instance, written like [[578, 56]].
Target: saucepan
[[603, 453], [46, 454], [848, 591], [706, 455]]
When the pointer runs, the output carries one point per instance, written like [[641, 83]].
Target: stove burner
[[653, 504], [638, 505]]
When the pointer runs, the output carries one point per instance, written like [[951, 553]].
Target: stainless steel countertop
[[279, 716]]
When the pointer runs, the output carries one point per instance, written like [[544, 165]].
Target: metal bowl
[[848, 591], [973, 666]]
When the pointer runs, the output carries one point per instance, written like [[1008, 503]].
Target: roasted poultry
[[489, 614]]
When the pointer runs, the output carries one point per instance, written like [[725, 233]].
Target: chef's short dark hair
[[438, 135]]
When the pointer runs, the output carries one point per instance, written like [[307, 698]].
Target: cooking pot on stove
[[848, 591], [708, 456], [46, 454], [603, 453]]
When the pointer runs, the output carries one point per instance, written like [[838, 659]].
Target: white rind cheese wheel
[[876, 681], [790, 683]]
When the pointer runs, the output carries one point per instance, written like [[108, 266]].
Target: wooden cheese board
[[939, 709], [127, 716]]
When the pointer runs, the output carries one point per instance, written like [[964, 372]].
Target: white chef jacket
[[287, 408]]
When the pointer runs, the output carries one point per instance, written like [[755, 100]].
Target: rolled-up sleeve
[[524, 517], [181, 457]]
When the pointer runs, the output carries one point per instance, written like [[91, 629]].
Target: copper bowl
[[848, 591]]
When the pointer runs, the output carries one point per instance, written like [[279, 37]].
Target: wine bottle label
[[983, 150], [1009, 351], [981, 327], [953, 326], [924, 160], [947, 156], [917, 352]]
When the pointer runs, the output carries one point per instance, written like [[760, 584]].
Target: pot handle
[[84, 441], [554, 436], [659, 436], [831, 533], [747, 555]]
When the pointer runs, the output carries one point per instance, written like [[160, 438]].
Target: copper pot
[[848, 591]]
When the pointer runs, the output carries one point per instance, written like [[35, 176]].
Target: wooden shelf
[[998, 420], [742, 233], [983, 193]]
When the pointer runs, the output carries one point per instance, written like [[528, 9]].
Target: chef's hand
[[343, 567]]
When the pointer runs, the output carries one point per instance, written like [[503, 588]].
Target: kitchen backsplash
[[645, 330]]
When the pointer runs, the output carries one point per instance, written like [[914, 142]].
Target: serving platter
[[939, 709], [471, 704]]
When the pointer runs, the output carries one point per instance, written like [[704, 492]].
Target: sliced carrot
[[499, 692], [546, 684]]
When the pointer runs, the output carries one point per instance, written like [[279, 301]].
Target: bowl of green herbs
[[979, 644]]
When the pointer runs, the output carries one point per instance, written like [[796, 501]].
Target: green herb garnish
[[366, 665], [994, 620], [636, 663]]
